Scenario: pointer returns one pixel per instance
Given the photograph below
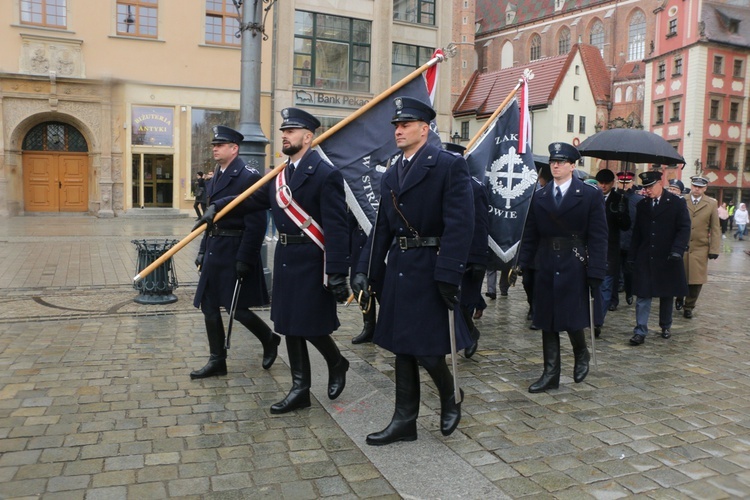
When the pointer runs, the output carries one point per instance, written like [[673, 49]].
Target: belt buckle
[[282, 238], [556, 245], [402, 243]]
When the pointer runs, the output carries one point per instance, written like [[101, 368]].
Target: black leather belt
[[424, 241], [564, 243], [294, 239], [236, 233]]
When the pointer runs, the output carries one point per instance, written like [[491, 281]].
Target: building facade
[[106, 107], [698, 91]]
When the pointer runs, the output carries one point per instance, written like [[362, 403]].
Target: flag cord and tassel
[[439, 56]]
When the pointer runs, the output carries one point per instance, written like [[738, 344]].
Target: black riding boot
[[403, 426], [450, 411], [217, 362], [581, 353], [337, 364], [260, 329], [550, 379], [299, 363], [368, 329], [467, 314]]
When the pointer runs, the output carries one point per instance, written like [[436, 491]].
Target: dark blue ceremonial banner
[[510, 178], [365, 148]]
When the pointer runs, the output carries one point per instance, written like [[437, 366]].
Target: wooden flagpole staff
[[448, 52]]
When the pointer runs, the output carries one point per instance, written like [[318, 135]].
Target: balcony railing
[[732, 165]]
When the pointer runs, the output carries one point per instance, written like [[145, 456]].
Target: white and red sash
[[298, 215]]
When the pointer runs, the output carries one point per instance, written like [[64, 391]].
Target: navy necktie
[[405, 164], [558, 196], [218, 174]]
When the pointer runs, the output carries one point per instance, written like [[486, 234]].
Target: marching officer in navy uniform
[[231, 251], [565, 242], [311, 261], [476, 266], [661, 233], [424, 226]]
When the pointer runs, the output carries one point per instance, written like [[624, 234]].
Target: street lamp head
[[456, 137]]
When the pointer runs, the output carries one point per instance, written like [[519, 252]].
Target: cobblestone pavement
[[95, 401]]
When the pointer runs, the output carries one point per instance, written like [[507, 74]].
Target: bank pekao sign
[[314, 98], [152, 126]]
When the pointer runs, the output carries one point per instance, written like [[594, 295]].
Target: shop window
[[47, 13], [202, 123], [336, 49], [406, 58], [414, 11], [137, 18]]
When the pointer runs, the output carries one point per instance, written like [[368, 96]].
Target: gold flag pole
[[528, 76], [448, 52]]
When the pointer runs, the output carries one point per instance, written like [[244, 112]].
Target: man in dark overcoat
[[471, 299], [565, 242], [231, 251], [311, 261], [425, 227], [661, 233], [618, 219], [630, 191]]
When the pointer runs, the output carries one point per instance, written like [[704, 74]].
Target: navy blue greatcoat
[[657, 232], [218, 275], [561, 294], [301, 306], [436, 200], [471, 288]]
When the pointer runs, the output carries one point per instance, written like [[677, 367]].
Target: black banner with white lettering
[[365, 148], [510, 178]]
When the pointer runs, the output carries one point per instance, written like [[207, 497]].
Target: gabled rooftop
[[486, 91]]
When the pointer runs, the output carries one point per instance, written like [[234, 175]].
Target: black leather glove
[[477, 271], [449, 293], [243, 269], [630, 266], [674, 257], [337, 286], [713, 256], [361, 285], [594, 283], [199, 260], [207, 218]]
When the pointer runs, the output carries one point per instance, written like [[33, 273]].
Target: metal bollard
[[156, 288]]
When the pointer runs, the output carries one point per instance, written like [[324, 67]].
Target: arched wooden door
[[55, 169]]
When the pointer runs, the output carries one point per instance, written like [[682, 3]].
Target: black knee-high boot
[[217, 362], [474, 332], [368, 329], [337, 364], [299, 363], [581, 353], [550, 379], [450, 410], [403, 426], [260, 329]]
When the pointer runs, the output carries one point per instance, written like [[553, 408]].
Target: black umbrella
[[631, 145]]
